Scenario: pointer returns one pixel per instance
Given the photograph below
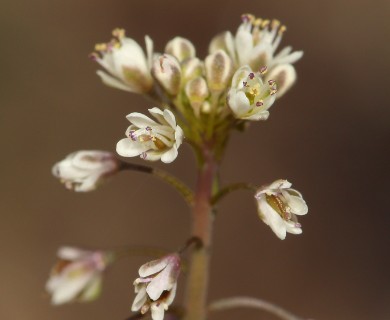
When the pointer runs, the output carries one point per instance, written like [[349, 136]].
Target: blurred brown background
[[329, 136]]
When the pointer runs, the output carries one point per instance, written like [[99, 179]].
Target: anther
[[263, 69], [282, 29], [118, 33], [271, 82], [251, 75], [259, 103], [245, 84], [93, 56], [101, 47]]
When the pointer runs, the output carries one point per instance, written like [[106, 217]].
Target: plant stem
[[197, 283], [180, 187], [249, 302]]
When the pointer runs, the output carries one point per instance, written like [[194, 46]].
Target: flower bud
[[219, 69], [223, 41], [191, 68], [83, 170], [166, 69], [156, 286], [78, 275], [284, 76], [180, 48], [278, 206], [197, 91]]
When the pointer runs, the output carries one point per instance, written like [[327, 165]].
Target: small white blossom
[[249, 98], [128, 67], [150, 139], [255, 44], [156, 286], [278, 206], [83, 170], [77, 276]]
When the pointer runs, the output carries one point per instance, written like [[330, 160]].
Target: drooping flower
[[249, 98], [77, 276], [156, 286], [150, 139], [278, 206], [125, 62], [255, 44], [83, 170]]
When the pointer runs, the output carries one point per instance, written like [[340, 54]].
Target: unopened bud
[[191, 68], [197, 91], [180, 48], [166, 70], [218, 70]]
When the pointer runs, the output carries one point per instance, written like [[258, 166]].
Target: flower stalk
[[197, 283]]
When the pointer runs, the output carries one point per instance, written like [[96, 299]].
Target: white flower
[[156, 286], [278, 206], [77, 276], [255, 44], [249, 98], [128, 67], [82, 171], [151, 140]]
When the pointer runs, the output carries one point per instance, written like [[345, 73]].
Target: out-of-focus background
[[329, 136]]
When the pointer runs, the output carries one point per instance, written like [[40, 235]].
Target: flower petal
[[153, 267], [139, 299], [170, 155], [272, 218], [157, 310], [113, 82], [129, 148], [140, 120]]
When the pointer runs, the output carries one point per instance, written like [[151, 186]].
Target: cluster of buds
[[239, 76]]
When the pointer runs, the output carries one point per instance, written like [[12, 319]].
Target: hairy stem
[[178, 185], [249, 302], [197, 283]]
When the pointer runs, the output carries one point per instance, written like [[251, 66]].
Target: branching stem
[[180, 187], [230, 188], [249, 302]]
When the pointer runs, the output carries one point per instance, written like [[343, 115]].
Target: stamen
[[144, 155], [247, 18], [93, 56], [251, 75], [263, 70], [132, 135], [245, 84], [271, 82], [101, 47], [282, 29], [275, 24], [259, 103], [118, 33], [265, 23]]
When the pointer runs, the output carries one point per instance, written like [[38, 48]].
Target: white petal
[[158, 114], [92, 290], [280, 184], [262, 115], [272, 218], [140, 120], [113, 82], [179, 135], [170, 155], [71, 288], [290, 58], [244, 44], [239, 103], [298, 205], [89, 183], [71, 253], [240, 75], [171, 295], [139, 299], [170, 118], [129, 148], [157, 310], [149, 51], [260, 56], [153, 267], [130, 54]]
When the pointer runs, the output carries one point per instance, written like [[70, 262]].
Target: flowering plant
[[199, 102]]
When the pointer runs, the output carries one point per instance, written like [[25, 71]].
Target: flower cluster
[[200, 101]]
